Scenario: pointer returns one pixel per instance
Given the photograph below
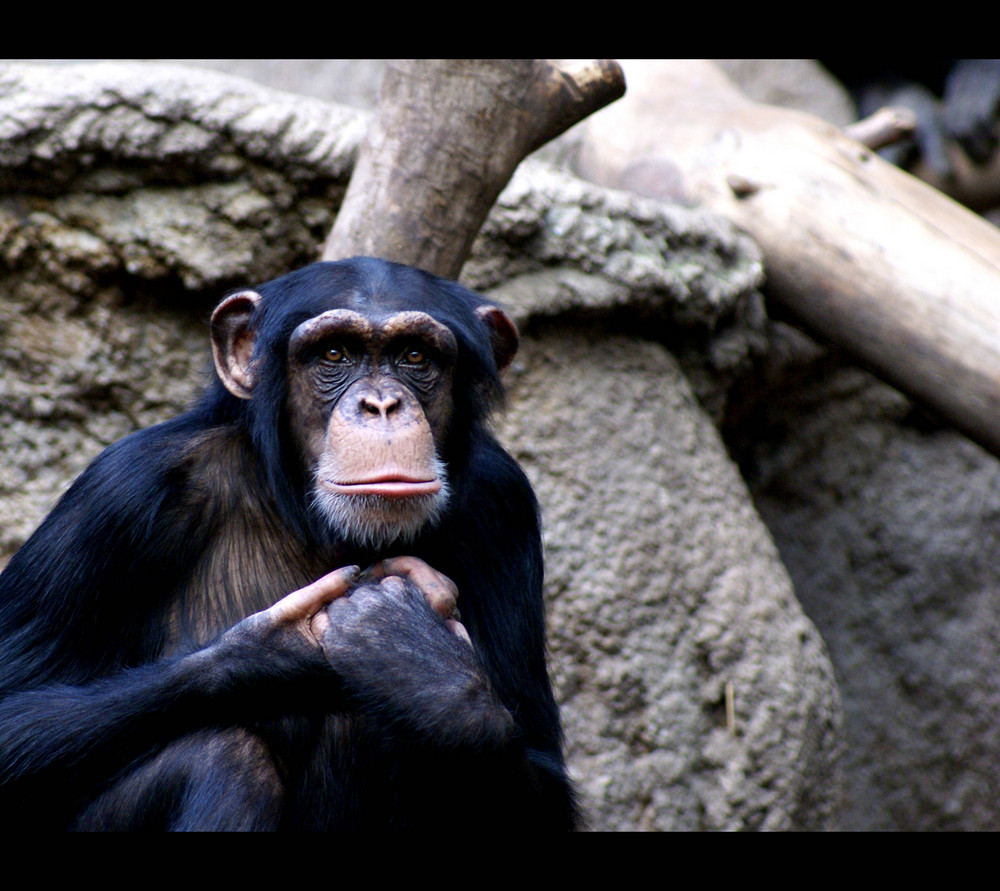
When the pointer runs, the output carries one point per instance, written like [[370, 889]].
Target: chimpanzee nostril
[[377, 404]]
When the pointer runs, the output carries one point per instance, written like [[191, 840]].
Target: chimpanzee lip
[[391, 486]]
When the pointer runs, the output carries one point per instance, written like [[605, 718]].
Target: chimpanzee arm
[[427, 691], [82, 691], [500, 577], [403, 665], [60, 742]]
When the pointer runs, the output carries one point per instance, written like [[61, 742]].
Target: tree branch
[[446, 138]]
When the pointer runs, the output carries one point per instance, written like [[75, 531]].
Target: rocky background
[[771, 598]]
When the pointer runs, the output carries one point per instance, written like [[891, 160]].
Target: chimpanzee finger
[[439, 590], [306, 604], [459, 630]]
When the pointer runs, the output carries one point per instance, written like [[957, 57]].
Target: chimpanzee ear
[[233, 342], [503, 335]]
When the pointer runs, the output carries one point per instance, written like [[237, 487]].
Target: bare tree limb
[[886, 126], [863, 254], [446, 138]]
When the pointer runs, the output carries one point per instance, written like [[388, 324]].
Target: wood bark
[[864, 255], [446, 138]]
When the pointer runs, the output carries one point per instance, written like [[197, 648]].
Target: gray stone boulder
[[887, 519]]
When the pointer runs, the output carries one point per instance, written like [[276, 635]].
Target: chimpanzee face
[[371, 386], [370, 398]]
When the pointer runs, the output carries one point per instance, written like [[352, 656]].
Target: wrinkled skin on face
[[370, 401]]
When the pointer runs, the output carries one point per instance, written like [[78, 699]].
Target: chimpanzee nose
[[376, 403]]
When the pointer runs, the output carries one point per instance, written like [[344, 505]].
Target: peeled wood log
[[446, 138], [864, 255]]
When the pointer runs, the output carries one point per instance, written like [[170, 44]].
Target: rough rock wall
[[131, 198], [668, 606], [696, 694], [887, 521], [666, 595]]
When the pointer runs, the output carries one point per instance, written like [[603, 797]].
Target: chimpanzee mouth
[[388, 486], [380, 511]]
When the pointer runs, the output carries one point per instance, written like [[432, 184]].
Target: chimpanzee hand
[[402, 654], [278, 644], [441, 592]]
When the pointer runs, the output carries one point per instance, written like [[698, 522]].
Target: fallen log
[[446, 138], [862, 254]]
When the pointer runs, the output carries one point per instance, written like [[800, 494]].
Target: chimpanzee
[[155, 672]]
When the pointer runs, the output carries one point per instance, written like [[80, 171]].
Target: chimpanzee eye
[[335, 352], [414, 356]]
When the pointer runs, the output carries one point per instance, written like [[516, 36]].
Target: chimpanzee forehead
[[375, 329], [380, 299]]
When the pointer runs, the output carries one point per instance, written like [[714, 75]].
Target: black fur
[[135, 693]]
